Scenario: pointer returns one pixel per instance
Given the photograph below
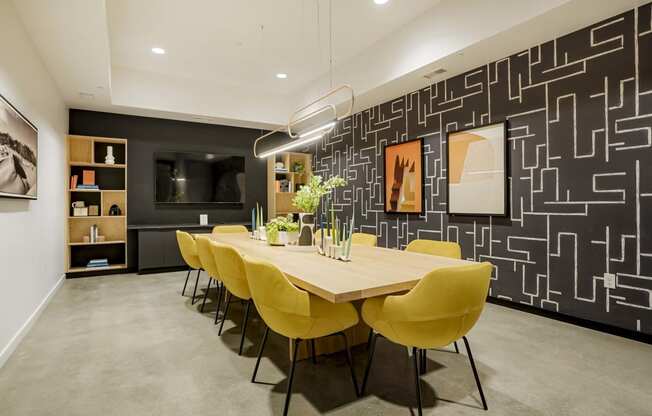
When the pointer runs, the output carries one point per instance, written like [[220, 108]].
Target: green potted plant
[[281, 230], [297, 167], [307, 200]]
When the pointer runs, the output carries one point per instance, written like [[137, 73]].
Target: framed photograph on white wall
[[18, 153], [477, 171]]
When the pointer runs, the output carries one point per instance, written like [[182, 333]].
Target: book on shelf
[[88, 177], [73, 181], [81, 186], [98, 263]]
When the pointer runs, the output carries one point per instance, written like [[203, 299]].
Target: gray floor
[[131, 345]]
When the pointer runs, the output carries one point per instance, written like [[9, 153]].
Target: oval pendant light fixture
[[301, 128]]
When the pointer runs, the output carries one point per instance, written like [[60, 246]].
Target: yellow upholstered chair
[[296, 314], [440, 309], [232, 273], [436, 248], [364, 239], [207, 259], [188, 249], [229, 229]]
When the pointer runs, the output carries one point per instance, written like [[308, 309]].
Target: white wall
[[31, 232]]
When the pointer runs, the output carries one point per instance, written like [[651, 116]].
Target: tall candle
[[328, 217], [321, 230]]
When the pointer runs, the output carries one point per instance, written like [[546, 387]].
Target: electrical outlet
[[609, 280]]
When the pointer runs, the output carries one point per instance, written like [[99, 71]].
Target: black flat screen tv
[[199, 178]]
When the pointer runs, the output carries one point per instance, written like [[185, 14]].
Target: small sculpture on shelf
[[115, 210], [109, 159]]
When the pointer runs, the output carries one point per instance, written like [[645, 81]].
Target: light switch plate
[[609, 280]]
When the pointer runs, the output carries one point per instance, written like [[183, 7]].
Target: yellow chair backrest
[[206, 256], [284, 307], [230, 268], [364, 239], [440, 309], [436, 248], [188, 249], [229, 229]]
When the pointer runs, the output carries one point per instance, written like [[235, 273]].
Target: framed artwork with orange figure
[[477, 171], [404, 177]]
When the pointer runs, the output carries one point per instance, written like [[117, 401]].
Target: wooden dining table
[[372, 271]]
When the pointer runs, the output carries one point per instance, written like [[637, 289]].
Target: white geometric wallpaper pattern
[[579, 114]]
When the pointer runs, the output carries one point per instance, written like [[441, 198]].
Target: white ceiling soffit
[[222, 56], [72, 39]]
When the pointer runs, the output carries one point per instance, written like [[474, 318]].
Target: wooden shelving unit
[[280, 202], [88, 153]]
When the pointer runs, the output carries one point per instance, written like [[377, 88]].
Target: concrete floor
[[131, 345]]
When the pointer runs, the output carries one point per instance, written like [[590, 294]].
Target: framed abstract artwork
[[404, 177], [18, 153], [477, 171]]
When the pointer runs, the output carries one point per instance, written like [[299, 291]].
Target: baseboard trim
[[584, 323], [24, 329]]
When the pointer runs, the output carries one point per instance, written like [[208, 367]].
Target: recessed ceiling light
[[281, 75], [158, 51], [380, 1]]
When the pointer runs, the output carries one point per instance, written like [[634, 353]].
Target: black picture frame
[[421, 183], [506, 194], [4, 100]]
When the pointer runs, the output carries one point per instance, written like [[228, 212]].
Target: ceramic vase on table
[[306, 229], [278, 238], [293, 237]]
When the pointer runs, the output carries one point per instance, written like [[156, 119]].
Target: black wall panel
[[579, 112]]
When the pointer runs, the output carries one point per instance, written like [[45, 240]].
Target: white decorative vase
[[327, 241], [279, 238], [262, 234], [306, 229], [335, 251], [109, 159], [293, 237]]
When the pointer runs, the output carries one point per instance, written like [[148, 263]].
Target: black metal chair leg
[[423, 359], [208, 288], [183, 292], [371, 334], [194, 291], [475, 372], [417, 380], [260, 354], [226, 311], [372, 347], [294, 363], [220, 295], [457, 350], [314, 351], [244, 326], [349, 361]]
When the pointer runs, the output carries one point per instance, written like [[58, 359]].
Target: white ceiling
[[245, 43], [222, 55]]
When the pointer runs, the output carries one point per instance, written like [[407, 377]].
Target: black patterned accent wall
[[579, 113]]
